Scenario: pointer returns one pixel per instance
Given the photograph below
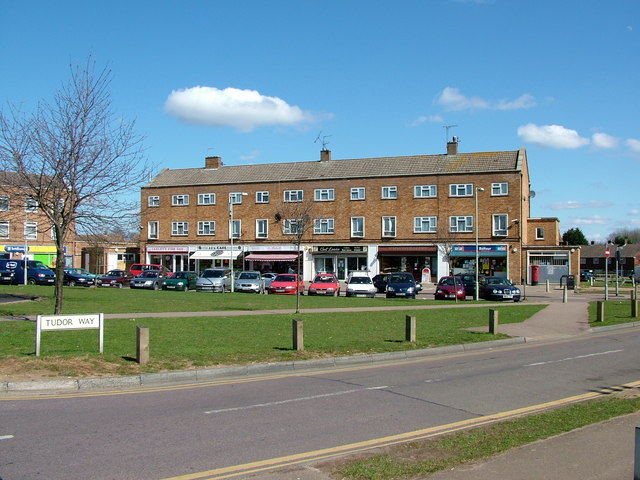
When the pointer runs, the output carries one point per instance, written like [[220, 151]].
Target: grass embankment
[[417, 459], [186, 342]]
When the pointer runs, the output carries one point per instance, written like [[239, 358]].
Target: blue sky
[[260, 81]]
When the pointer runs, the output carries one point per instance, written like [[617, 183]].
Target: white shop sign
[[69, 322]]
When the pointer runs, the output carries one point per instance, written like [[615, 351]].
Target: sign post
[[69, 322], [607, 254]]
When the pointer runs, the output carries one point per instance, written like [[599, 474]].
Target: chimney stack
[[452, 146], [212, 162], [325, 155]]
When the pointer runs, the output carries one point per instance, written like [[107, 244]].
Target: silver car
[[214, 280], [249, 281]]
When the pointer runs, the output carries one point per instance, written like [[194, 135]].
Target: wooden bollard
[[493, 322], [600, 315], [142, 350], [298, 335], [410, 328], [634, 305]]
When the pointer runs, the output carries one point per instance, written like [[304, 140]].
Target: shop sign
[[339, 249], [481, 249], [31, 249], [167, 249]]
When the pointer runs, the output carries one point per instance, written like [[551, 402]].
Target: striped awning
[[271, 257]]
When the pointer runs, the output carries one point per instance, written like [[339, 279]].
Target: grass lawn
[[187, 342], [616, 312]]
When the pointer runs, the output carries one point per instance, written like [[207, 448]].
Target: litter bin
[[571, 282]]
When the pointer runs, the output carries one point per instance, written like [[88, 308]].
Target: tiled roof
[[597, 251], [340, 169]]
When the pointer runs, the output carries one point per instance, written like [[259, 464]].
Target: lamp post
[[475, 293], [232, 199]]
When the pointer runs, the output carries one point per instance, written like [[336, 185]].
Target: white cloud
[[633, 144], [426, 119], [634, 212], [572, 204], [250, 156], [593, 220], [602, 140], [451, 99], [553, 136], [242, 109]]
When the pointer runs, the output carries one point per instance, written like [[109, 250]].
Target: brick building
[[412, 213]]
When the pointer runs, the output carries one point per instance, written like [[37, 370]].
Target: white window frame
[[291, 196], [235, 228], [153, 201], [358, 193], [425, 191], [389, 226], [389, 192], [235, 198], [461, 190], [179, 229], [153, 229], [5, 229], [30, 205], [425, 224], [207, 198], [461, 224], [324, 226], [4, 203], [262, 228], [539, 233], [290, 226], [207, 228], [357, 231], [500, 225], [31, 230], [499, 189], [262, 196], [181, 200], [324, 194]]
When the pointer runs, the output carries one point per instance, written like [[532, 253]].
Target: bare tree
[[79, 161]]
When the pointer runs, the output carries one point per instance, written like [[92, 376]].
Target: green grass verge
[[422, 458], [616, 312]]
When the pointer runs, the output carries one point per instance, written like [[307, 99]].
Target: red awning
[[271, 257], [408, 250]]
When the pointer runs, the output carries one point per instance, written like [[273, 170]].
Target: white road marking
[[6, 437], [291, 400], [573, 358]]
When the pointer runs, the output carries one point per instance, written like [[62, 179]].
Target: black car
[[380, 282], [498, 288], [402, 284], [586, 275], [469, 282], [76, 276]]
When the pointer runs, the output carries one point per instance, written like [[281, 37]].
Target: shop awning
[[407, 250], [213, 255], [271, 257]]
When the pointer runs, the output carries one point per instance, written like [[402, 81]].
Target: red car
[[325, 284], [287, 283], [450, 288], [115, 278]]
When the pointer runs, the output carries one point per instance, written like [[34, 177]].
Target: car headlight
[[410, 289], [180, 284], [390, 289]]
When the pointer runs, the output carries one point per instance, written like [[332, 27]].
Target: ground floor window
[[489, 266], [414, 264]]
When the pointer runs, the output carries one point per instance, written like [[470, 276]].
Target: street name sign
[[70, 322]]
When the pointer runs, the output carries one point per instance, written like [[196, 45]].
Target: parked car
[[325, 284], [6, 276], [586, 275], [214, 280], [137, 268], [149, 280], [449, 287], [76, 276], [182, 281], [115, 278], [249, 281], [380, 282], [469, 282], [498, 288], [267, 278], [402, 284], [37, 272], [360, 284], [287, 283]]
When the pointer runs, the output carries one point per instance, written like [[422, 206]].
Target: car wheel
[[72, 283], [120, 285], [155, 286], [186, 288], [31, 281], [336, 293]]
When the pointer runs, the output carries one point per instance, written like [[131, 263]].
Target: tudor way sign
[[69, 322]]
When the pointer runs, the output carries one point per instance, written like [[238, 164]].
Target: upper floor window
[[388, 226], [31, 205], [499, 189], [292, 226], [425, 224], [499, 225], [462, 224], [236, 228], [206, 199], [540, 233], [153, 200], [179, 200], [180, 228], [4, 203], [324, 194], [262, 228], [425, 191], [262, 197], [152, 230], [357, 227], [357, 193], [31, 230], [4, 229], [461, 190], [293, 195], [323, 226], [235, 198], [389, 193], [207, 227]]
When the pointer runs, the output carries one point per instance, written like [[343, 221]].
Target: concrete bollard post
[[547, 284], [564, 294], [493, 321], [142, 349], [298, 335], [600, 315], [410, 328]]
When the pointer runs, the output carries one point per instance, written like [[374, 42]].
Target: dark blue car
[[402, 284]]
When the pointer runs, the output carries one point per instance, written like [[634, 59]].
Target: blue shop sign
[[483, 250]]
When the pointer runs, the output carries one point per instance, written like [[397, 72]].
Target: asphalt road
[[178, 431]]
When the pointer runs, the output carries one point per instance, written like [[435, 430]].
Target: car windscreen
[[360, 280], [400, 279], [324, 279], [285, 278], [213, 274], [249, 276]]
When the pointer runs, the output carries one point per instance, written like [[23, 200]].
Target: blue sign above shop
[[483, 250]]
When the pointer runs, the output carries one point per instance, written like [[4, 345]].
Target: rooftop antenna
[[323, 140], [447, 127]]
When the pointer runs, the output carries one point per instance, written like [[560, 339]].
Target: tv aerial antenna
[[322, 139], [447, 128]]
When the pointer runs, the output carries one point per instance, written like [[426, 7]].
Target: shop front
[[173, 257], [339, 259], [202, 257], [492, 260], [419, 260], [44, 253]]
